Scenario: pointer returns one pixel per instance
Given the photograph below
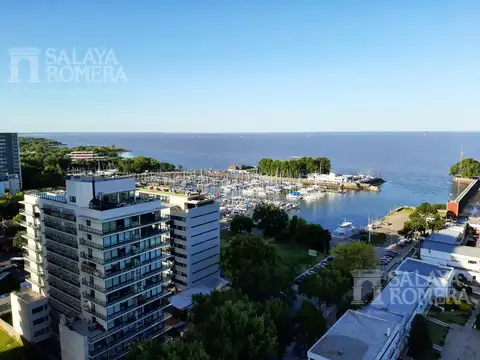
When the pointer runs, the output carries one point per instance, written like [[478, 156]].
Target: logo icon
[[366, 284], [24, 54]]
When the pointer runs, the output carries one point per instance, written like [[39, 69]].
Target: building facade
[[101, 256], [10, 155], [195, 233]]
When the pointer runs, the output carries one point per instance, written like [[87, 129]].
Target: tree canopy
[[419, 338], [294, 167], [240, 224], [254, 267], [9, 205], [141, 164], [176, 349], [310, 325], [466, 168], [270, 218], [313, 236], [354, 256], [425, 217]]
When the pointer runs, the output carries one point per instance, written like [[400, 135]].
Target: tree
[[278, 313], [241, 224], [18, 240], [295, 167], [467, 168], [177, 349], [354, 256], [312, 236], [270, 218], [204, 305], [424, 217], [327, 285], [18, 218], [235, 331], [292, 225], [310, 325], [419, 338], [254, 267]]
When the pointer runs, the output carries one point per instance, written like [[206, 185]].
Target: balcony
[[61, 308], [37, 270], [36, 237], [104, 205], [65, 252], [135, 238], [93, 286], [87, 296], [64, 264], [133, 225], [136, 279], [52, 197], [34, 259], [57, 272], [30, 225], [137, 251], [92, 311], [94, 259], [134, 264], [65, 299], [37, 250], [139, 301], [136, 290], [59, 226], [40, 283], [62, 238], [63, 214], [92, 270], [63, 287], [29, 213]]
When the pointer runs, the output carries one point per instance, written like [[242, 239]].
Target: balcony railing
[[40, 283], [57, 197], [36, 237], [34, 269], [62, 238], [132, 265], [92, 270], [29, 213], [30, 225], [137, 251], [137, 278], [68, 290], [57, 225], [67, 300], [105, 205], [37, 260], [94, 259], [61, 308], [57, 249], [87, 296], [59, 213], [140, 289], [64, 264], [58, 272], [94, 313], [140, 301], [135, 238], [38, 250], [93, 285], [133, 225]]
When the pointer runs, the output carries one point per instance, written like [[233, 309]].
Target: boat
[[294, 195], [345, 230]]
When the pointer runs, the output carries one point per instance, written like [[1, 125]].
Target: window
[[72, 199], [37, 309], [89, 237], [89, 223], [472, 262], [41, 332], [41, 320]]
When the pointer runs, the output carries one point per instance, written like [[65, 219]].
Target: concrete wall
[[24, 320], [461, 263], [73, 345]]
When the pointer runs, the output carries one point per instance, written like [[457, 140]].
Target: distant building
[[10, 155], [86, 155], [9, 184]]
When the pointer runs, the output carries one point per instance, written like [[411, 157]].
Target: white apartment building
[[195, 233], [380, 330], [101, 256]]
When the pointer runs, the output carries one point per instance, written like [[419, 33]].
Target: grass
[[7, 343], [375, 238], [451, 317], [438, 333], [406, 210], [295, 256]]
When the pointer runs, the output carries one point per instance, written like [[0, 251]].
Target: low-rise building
[[86, 155], [380, 330]]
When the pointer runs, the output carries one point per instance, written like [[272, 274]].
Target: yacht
[[345, 230], [294, 195]]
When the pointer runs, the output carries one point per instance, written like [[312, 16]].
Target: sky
[[239, 66]]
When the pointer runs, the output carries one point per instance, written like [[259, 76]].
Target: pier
[[455, 207]]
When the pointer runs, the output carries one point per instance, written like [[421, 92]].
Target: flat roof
[[450, 235], [183, 300], [30, 296], [452, 249], [424, 268], [355, 336], [165, 193]]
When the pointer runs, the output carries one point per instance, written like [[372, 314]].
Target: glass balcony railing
[[135, 238], [67, 300], [97, 301], [57, 272], [62, 263], [92, 285], [59, 213], [62, 238], [90, 258], [61, 308], [61, 251], [60, 226], [133, 225], [95, 313], [64, 286], [138, 301], [30, 225], [111, 301], [144, 276]]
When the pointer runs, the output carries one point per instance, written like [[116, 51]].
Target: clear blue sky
[[251, 65]]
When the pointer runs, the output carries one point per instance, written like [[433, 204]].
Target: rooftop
[[183, 300], [29, 296], [424, 269], [165, 193], [452, 249], [450, 235], [89, 178], [356, 336]]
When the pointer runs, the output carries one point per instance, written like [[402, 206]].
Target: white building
[[380, 330], [101, 256], [195, 232], [10, 184], [447, 247]]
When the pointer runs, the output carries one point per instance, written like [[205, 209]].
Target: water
[[415, 165]]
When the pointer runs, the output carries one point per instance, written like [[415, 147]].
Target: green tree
[[203, 305], [425, 217], [278, 313], [327, 286], [18, 218], [235, 331], [240, 224], [313, 236], [177, 349], [419, 338], [18, 240], [467, 168], [145, 350], [270, 218], [310, 325], [354, 256], [254, 267]]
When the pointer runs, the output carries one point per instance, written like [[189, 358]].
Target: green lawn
[[432, 355], [293, 255], [8, 343], [438, 333], [451, 317], [375, 238]]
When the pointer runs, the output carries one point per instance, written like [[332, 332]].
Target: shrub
[[465, 307]]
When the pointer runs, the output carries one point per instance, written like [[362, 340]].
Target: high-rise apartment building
[[101, 256], [195, 233], [10, 156]]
